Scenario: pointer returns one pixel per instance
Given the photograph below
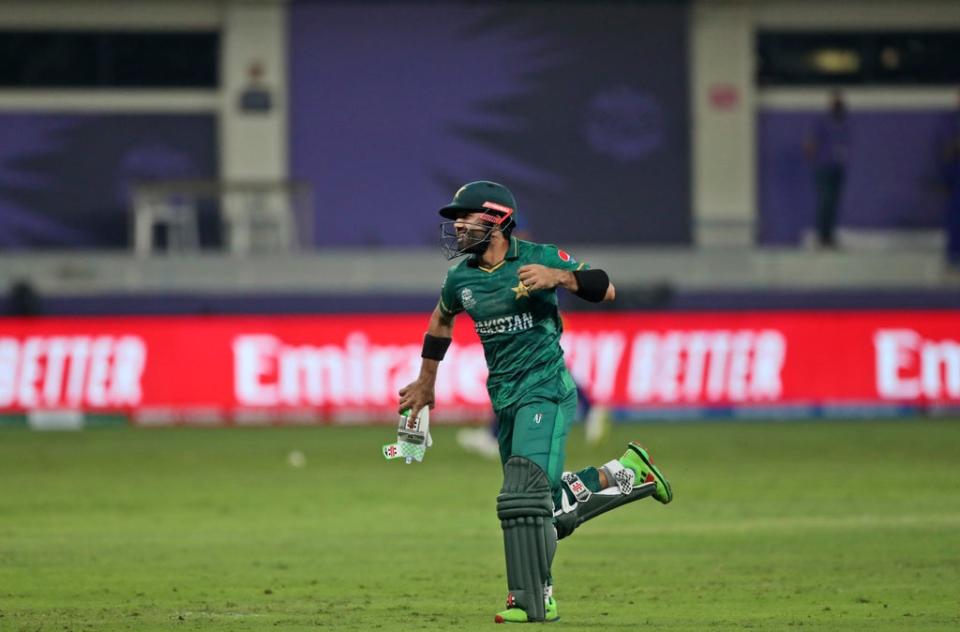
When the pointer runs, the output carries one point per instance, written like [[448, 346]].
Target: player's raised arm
[[559, 269], [420, 392]]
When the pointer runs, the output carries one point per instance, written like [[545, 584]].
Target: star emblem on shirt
[[521, 291]]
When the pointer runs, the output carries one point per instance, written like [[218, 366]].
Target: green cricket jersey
[[520, 330]]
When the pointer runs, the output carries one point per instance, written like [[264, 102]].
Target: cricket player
[[508, 287]]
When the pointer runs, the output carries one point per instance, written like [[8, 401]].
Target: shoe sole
[[640, 452], [499, 619]]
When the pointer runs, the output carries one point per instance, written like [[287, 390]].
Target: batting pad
[[525, 509], [574, 514]]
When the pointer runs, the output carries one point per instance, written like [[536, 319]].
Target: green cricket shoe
[[637, 459], [551, 608], [513, 614]]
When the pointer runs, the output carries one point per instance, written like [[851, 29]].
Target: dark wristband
[[592, 285], [434, 347]]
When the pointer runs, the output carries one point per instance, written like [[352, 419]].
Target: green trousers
[[536, 427]]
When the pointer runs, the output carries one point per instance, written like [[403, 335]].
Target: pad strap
[[576, 486], [619, 476]]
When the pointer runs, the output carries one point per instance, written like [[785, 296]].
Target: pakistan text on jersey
[[505, 324]]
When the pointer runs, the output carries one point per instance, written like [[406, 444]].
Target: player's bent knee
[[526, 489], [546, 461]]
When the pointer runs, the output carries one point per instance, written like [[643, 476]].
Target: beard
[[474, 240]]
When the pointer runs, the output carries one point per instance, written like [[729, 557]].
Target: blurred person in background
[[948, 155], [255, 98], [595, 417], [827, 148]]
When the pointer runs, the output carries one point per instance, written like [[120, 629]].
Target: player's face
[[468, 234], [471, 231]]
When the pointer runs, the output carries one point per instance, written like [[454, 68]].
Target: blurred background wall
[[239, 157]]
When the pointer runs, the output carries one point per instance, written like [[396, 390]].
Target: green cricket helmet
[[497, 207]]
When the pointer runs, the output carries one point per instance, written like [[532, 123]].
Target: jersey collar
[[514, 250]]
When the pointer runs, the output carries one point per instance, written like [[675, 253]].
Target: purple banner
[[64, 178], [893, 178], [581, 109]]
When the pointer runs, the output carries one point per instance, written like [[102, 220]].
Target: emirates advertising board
[[348, 369]]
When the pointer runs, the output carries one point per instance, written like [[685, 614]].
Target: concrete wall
[[722, 112], [397, 271], [726, 99], [251, 31], [254, 145], [854, 14], [723, 178]]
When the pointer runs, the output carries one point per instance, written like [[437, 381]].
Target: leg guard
[[580, 505], [525, 508]]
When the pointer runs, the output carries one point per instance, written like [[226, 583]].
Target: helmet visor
[[458, 238]]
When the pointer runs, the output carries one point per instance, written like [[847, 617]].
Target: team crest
[[466, 297], [564, 255]]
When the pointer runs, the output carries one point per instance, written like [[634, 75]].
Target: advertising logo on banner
[[910, 366], [349, 368], [82, 371]]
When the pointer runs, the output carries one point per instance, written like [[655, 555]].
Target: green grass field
[[824, 526]]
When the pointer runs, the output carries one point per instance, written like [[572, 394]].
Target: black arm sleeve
[[434, 347], [592, 285]]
